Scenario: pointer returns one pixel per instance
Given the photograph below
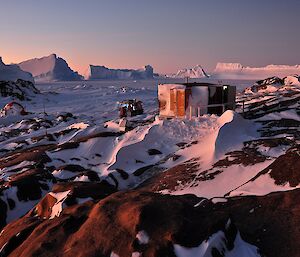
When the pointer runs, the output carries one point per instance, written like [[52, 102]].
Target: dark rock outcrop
[[21, 89], [263, 84], [112, 224]]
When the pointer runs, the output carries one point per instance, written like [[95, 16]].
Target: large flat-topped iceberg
[[50, 68], [238, 71], [13, 72], [194, 73], [102, 72]]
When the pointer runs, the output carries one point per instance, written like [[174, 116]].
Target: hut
[[195, 99]]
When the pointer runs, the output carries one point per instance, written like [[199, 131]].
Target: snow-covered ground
[[96, 101], [70, 145], [151, 145]]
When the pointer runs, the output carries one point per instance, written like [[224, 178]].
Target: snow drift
[[13, 72], [238, 71], [234, 130], [50, 68], [102, 72]]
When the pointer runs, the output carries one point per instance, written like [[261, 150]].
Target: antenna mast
[[45, 117]]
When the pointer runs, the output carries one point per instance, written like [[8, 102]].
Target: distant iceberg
[[50, 68], [238, 71], [13, 72], [196, 72], [104, 73]]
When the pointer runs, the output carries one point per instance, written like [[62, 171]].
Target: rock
[[269, 84], [292, 80], [64, 116], [23, 190], [270, 81], [77, 191], [21, 89], [285, 169], [154, 152], [166, 220], [12, 109]]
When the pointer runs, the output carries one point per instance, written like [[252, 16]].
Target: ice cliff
[[50, 68], [102, 72], [238, 71]]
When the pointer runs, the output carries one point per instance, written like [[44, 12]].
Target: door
[[180, 102], [173, 101], [215, 97], [177, 102]]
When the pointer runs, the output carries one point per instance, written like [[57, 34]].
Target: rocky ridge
[[236, 204]]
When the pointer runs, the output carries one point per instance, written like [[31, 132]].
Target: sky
[[167, 34]]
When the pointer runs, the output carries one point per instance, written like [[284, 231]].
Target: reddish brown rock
[[285, 169], [97, 229]]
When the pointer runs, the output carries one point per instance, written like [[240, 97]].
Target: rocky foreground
[[218, 186]]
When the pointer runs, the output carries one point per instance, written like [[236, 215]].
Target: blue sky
[[168, 34]]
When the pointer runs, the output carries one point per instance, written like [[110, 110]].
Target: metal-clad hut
[[195, 99]]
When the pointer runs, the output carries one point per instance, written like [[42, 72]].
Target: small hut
[[195, 99]]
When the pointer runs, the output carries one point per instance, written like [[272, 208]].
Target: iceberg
[[13, 72], [238, 71], [104, 73], [193, 73], [50, 68]]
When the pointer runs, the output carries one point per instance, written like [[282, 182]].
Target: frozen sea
[[97, 100]]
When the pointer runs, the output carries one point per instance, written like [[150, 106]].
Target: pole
[[45, 118]]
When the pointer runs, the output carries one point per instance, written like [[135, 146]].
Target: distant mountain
[[50, 68], [102, 72], [13, 73], [238, 71], [196, 72]]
